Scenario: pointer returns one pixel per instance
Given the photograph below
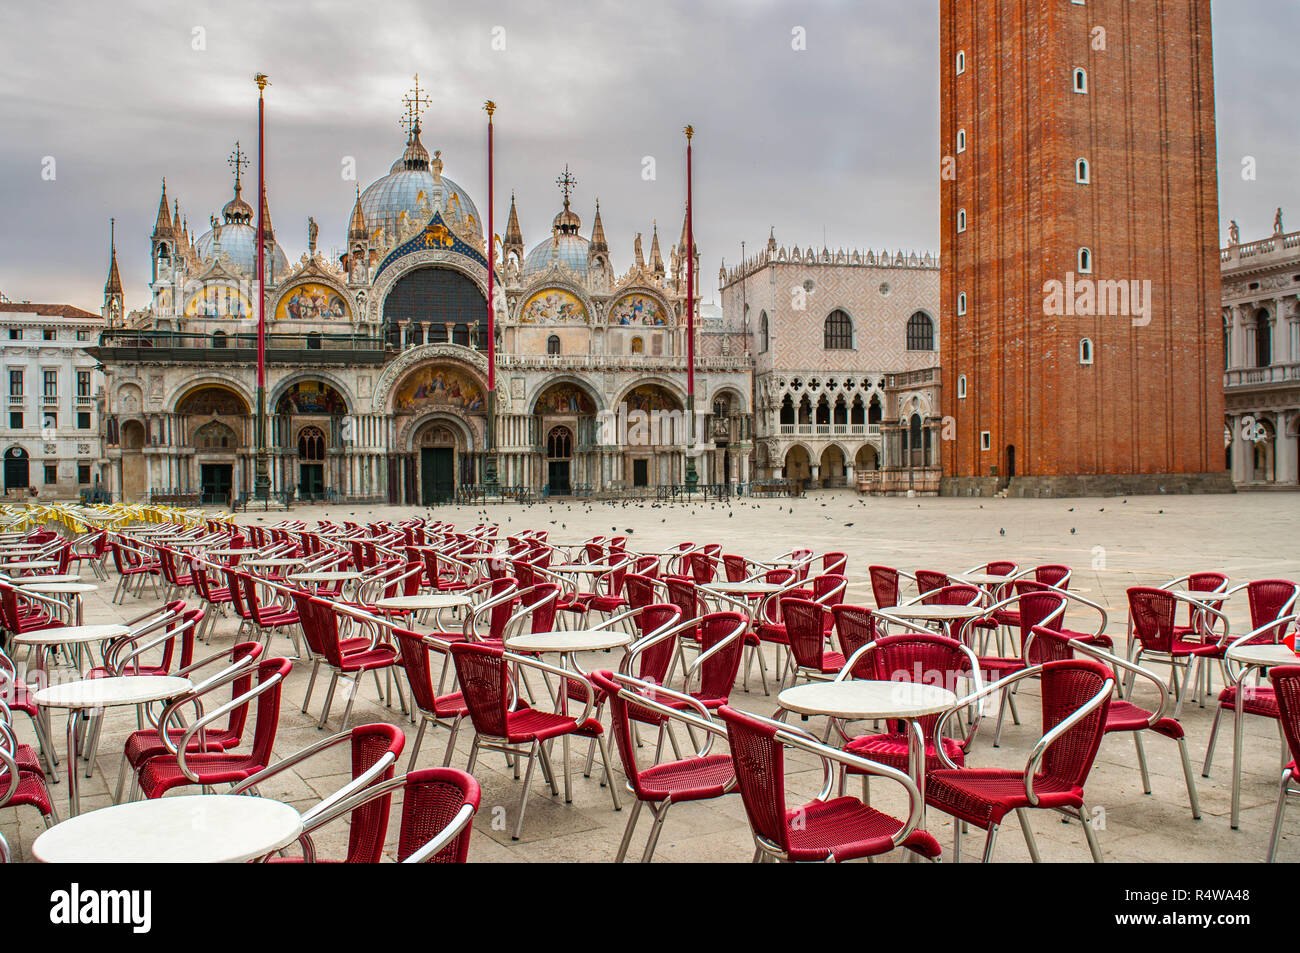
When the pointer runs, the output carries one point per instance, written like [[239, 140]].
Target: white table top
[[53, 577], [1199, 595], [38, 584], [324, 576], [70, 634], [983, 578], [428, 600], [565, 641], [38, 564], [204, 828], [273, 563], [230, 552], [932, 613], [1263, 655], [107, 692], [855, 699], [580, 567]]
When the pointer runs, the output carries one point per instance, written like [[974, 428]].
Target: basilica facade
[[377, 360]]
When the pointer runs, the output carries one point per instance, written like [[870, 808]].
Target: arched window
[[559, 443], [762, 332], [961, 140], [961, 62], [787, 412], [961, 303], [961, 387], [313, 340], [553, 344], [1085, 351], [214, 436], [838, 332], [1080, 80], [638, 345], [961, 220], [875, 413], [311, 444], [920, 332], [1085, 261], [1082, 172], [1263, 339], [219, 339], [914, 441]]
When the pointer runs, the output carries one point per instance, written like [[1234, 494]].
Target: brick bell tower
[[1082, 341]]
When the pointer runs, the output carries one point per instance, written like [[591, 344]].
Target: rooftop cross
[[238, 161], [415, 103], [567, 183]]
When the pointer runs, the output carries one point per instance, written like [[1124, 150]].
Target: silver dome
[[384, 201], [239, 241], [569, 250]]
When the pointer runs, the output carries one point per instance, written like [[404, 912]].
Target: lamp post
[[262, 479], [692, 477]]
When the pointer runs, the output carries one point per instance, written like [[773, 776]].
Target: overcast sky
[[835, 143]]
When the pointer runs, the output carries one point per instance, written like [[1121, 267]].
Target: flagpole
[[692, 477], [262, 480], [490, 461]]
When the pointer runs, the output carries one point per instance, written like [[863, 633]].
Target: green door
[[214, 483], [311, 481], [437, 480]]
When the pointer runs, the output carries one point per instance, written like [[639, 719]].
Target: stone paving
[[1111, 543]]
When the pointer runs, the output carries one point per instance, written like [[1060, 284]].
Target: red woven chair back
[[1066, 687], [957, 595], [544, 598], [431, 799], [771, 611], [884, 586], [524, 572], [855, 626], [419, 673], [1270, 599], [640, 590], [1053, 575], [621, 727], [241, 651], [718, 674], [595, 552], [1049, 646], [1037, 608], [656, 660], [805, 631], [922, 659], [369, 823], [1152, 613], [760, 773], [736, 568], [267, 720], [481, 670], [309, 618], [647, 566], [1001, 567], [834, 564], [927, 580], [704, 567], [502, 611], [1286, 684], [803, 555], [829, 589], [236, 593], [681, 593]]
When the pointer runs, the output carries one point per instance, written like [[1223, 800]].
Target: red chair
[[131, 565], [1286, 689], [928, 581], [504, 723], [736, 568], [438, 806], [885, 585], [146, 743], [18, 696], [267, 618], [348, 659], [180, 767], [1076, 698], [23, 786], [374, 749], [432, 707], [805, 626], [1124, 717], [1269, 601], [701, 777], [855, 626], [920, 658], [1152, 622], [822, 830]]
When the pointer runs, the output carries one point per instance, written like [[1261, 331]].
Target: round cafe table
[[330, 575], [40, 586], [429, 600], [1250, 657], [33, 566], [228, 553], [191, 829], [45, 640], [983, 578], [278, 562], [87, 699], [753, 588], [924, 613], [861, 700]]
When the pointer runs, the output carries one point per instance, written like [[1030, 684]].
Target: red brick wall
[[1152, 401]]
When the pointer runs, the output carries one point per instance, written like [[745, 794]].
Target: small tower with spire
[[358, 244], [163, 238], [598, 266], [513, 246], [656, 258], [114, 300]]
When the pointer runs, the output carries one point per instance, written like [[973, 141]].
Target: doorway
[[215, 482], [641, 472], [311, 481], [559, 465], [437, 475], [16, 470]]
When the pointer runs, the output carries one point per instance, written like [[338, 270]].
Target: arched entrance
[[798, 466], [866, 459], [133, 475], [311, 463], [17, 470], [434, 305], [437, 447], [219, 416], [559, 458], [832, 467]]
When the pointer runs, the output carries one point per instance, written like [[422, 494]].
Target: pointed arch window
[[838, 333]]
